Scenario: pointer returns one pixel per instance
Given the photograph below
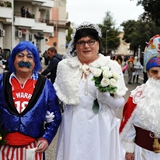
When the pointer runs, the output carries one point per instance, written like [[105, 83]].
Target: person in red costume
[[140, 129]]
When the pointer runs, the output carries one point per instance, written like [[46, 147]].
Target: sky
[[94, 11]]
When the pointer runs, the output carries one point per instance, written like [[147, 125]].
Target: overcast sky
[[94, 11]]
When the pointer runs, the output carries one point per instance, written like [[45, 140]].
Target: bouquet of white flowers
[[105, 79]]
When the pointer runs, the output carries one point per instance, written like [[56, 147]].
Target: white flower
[[97, 72], [105, 68], [115, 75], [105, 79], [107, 74], [113, 82], [105, 82]]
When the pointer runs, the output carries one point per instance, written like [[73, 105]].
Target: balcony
[[25, 22], [35, 24], [4, 10], [38, 26], [48, 29], [59, 24]]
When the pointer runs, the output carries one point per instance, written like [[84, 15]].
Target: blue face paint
[[24, 64]]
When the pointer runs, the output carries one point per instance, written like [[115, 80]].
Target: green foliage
[[6, 4], [68, 37], [151, 11], [137, 33], [110, 39], [32, 15]]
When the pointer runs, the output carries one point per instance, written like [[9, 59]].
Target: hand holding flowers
[[105, 79]]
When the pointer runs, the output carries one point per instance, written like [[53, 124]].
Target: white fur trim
[[129, 146], [69, 72]]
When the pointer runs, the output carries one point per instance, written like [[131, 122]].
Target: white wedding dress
[[85, 135]]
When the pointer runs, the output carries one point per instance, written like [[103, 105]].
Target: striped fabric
[[12, 153]]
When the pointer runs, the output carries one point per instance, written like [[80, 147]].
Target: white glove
[[30, 153], [103, 97], [49, 117], [113, 102]]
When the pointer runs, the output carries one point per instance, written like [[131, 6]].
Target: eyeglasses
[[83, 43]]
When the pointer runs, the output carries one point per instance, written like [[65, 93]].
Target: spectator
[[130, 69], [46, 58], [28, 14], [23, 12], [52, 67], [137, 68]]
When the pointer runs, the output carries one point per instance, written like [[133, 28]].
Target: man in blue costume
[[29, 108]]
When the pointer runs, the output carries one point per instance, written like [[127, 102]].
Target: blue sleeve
[[53, 106]]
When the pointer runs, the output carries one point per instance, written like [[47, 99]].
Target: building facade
[[44, 24]]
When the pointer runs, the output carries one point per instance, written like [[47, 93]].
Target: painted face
[[154, 72], [24, 62], [87, 50]]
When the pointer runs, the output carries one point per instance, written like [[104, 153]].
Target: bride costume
[[85, 135]]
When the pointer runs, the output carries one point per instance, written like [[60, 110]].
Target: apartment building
[[45, 25]]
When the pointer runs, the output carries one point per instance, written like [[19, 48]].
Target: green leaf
[[95, 107]]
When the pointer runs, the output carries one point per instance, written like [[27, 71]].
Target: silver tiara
[[90, 25]]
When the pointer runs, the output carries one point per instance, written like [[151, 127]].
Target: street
[[50, 153]]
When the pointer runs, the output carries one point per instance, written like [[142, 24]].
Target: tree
[[152, 11], [68, 37], [137, 33], [110, 40]]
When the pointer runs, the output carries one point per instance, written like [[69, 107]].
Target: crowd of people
[[132, 65], [91, 88]]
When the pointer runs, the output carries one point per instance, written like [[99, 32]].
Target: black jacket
[[52, 67]]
